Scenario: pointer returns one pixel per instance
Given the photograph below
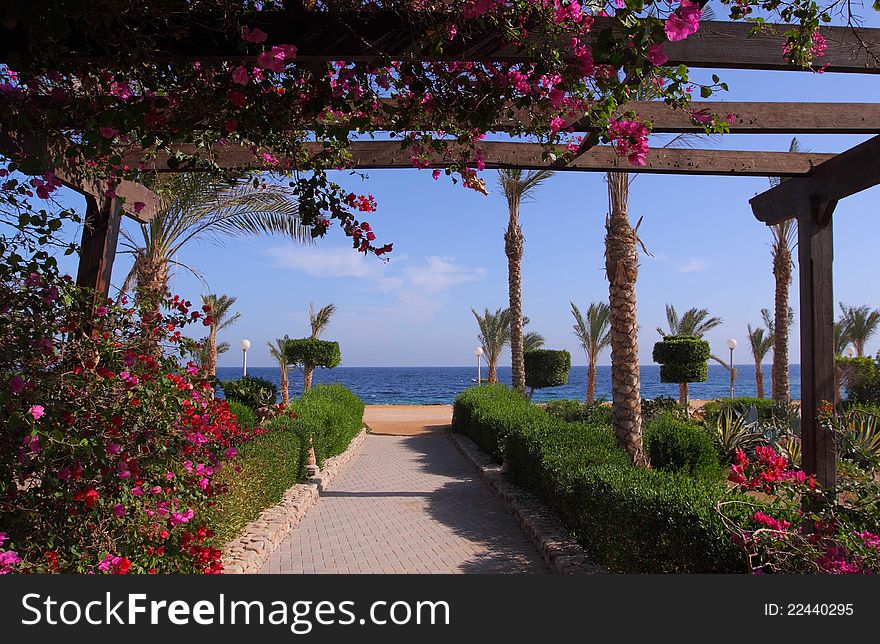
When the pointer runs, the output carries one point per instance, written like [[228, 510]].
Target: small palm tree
[[219, 311], [761, 341], [784, 239], [494, 335], [694, 322], [860, 323], [532, 340], [196, 206], [518, 185], [318, 321], [276, 350], [593, 332]]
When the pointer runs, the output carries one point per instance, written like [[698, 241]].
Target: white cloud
[[693, 265], [420, 289]]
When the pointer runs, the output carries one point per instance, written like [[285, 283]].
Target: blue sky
[[707, 250]]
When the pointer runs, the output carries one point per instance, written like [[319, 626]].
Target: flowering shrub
[[794, 526], [109, 439]]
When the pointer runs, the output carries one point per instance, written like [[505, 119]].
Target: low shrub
[[652, 408], [679, 446], [245, 416], [251, 391], [764, 407], [312, 352], [861, 378], [574, 411], [277, 457], [631, 519]]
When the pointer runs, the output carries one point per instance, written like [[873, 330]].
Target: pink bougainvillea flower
[[37, 411], [240, 75], [139, 205], [32, 443], [236, 98], [657, 55], [231, 452], [684, 22], [17, 384], [108, 132], [255, 35], [90, 497]]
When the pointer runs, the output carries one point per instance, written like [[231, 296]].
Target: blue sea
[[440, 385]]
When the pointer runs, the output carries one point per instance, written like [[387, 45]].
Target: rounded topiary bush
[[546, 368], [312, 352], [679, 446], [683, 358]]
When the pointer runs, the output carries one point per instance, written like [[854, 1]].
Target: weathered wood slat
[[321, 38], [372, 155], [98, 248], [847, 173]]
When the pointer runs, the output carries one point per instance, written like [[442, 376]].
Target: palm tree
[[493, 336], [622, 269], [219, 311], [761, 341], [695, 322], [859, 324], [532, 340], [594, 336], [781, 250], [276, 350], [517, 185], [196, 206], [318, 321]]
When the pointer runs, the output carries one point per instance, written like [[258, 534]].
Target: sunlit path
[[407, 504]]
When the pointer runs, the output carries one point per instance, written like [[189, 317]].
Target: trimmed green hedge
[[312, 352], [630, 519], [546, 368], [683, 358], [272, 462], [575, 411], [678, 446], [244, 415]]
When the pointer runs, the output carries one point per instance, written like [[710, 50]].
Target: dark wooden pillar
[[99, 239], [815, 256]]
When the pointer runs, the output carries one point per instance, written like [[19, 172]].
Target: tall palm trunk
[[591, 380], [782, 273], [285, 386], [152, 281], [308, 374], [513, 248], [622, 269], [492, 376], [211, 352], [759, 379]]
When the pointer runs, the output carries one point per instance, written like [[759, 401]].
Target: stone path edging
[[560, 551], [249, 552]]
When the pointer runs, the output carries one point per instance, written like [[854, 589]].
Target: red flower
[[91, 497]]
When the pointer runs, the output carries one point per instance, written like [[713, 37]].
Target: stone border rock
[[560, 551], [260, 537]]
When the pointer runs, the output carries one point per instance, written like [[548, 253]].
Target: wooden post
[[99, 239], [815, 257]]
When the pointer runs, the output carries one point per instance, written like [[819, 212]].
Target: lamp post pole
[[731, 344], [479, 353], [245, 345]]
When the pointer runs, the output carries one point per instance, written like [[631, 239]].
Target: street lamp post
[[245, 345], [731, 344], [479, 353]]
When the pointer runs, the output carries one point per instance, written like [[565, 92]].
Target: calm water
[[439, 385]]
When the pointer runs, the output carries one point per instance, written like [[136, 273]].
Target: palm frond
[[318, 320]]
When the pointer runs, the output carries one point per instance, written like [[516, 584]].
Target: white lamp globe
[[245, 345], [478, 351], [850, 351], [731, 344]]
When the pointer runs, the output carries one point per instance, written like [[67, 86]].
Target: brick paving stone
[[407, 504]]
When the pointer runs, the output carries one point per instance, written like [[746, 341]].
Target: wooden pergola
[[816, 182]]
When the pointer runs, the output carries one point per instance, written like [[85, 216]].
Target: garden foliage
[[253, 392], [683, 359], [631, 519], [546, 368]]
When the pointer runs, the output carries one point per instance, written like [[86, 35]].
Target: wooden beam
[[845, 174], [373, 155], [99, 240], [815, 268], [321, 37], [38, 154]]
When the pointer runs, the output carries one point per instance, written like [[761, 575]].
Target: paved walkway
[[407, 504]]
